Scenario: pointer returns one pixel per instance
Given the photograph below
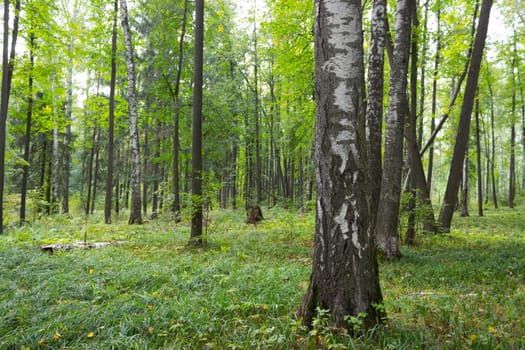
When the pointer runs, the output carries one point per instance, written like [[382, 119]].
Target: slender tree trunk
[[225, 189], [434, 96], [512, 161], [56, 144], [423, 70], [49, 180], [95, 175], [196, 150], [258, 177], [464, 187], [389, 202], [67, 136], [418, 183], [90, 170], [27, 138], [344, 277], [374, 106], [478, 161], [111, 118], [233, 173], [462, 137], [43, 165], [135, 214], [145, 183], [8, 64], [156, 177], [175, 208], [493, 149], [512, 166]]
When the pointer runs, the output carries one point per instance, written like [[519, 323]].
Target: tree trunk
[[464, 187], [56, 144], [512, 161], [95, 175], [135, 213], [462, 137], [493, 147], [418, 183], [67, 136], [258, 177], [344, 277], [233, 174], [8, 63], [389, 202], [175, 208], [156, 176], [196, 147], [27, 138], [374, 106], [111, 117], [478, 161], [434, 97], [90, 170], [146, 174]]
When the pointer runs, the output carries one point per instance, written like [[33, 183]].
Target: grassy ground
[[456, 291]]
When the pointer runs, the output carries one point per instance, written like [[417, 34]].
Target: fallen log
[[51, 248]]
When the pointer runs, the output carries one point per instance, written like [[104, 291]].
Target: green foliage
[[457, 291]]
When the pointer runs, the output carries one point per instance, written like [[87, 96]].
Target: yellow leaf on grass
[[90, 335], [57, 336]]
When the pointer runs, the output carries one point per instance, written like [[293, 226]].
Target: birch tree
[[344, 276], [135, 213]]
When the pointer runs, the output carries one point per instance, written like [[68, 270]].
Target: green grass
[[457, 291]]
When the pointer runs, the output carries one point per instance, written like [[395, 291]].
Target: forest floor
[[461, 290]]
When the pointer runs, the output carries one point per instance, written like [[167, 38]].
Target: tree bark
[[462, 137], [374, 106], [196, 147], [111, 118], [389, 202], [344, 276], [135, 212]]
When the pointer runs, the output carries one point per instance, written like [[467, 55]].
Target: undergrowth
[[152, 291]]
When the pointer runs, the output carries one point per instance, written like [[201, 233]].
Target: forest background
[[258, 113]]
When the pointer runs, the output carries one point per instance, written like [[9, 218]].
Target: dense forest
[[370, 123]]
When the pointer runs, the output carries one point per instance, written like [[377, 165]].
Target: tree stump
[[254, 215]]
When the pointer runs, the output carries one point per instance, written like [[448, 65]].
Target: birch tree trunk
[[389, 202], [462, 138], [344, 276], [135, 213]]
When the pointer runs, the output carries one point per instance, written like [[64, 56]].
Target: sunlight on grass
[[458, 291]]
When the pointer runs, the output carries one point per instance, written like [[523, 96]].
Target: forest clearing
[[460, 290]]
